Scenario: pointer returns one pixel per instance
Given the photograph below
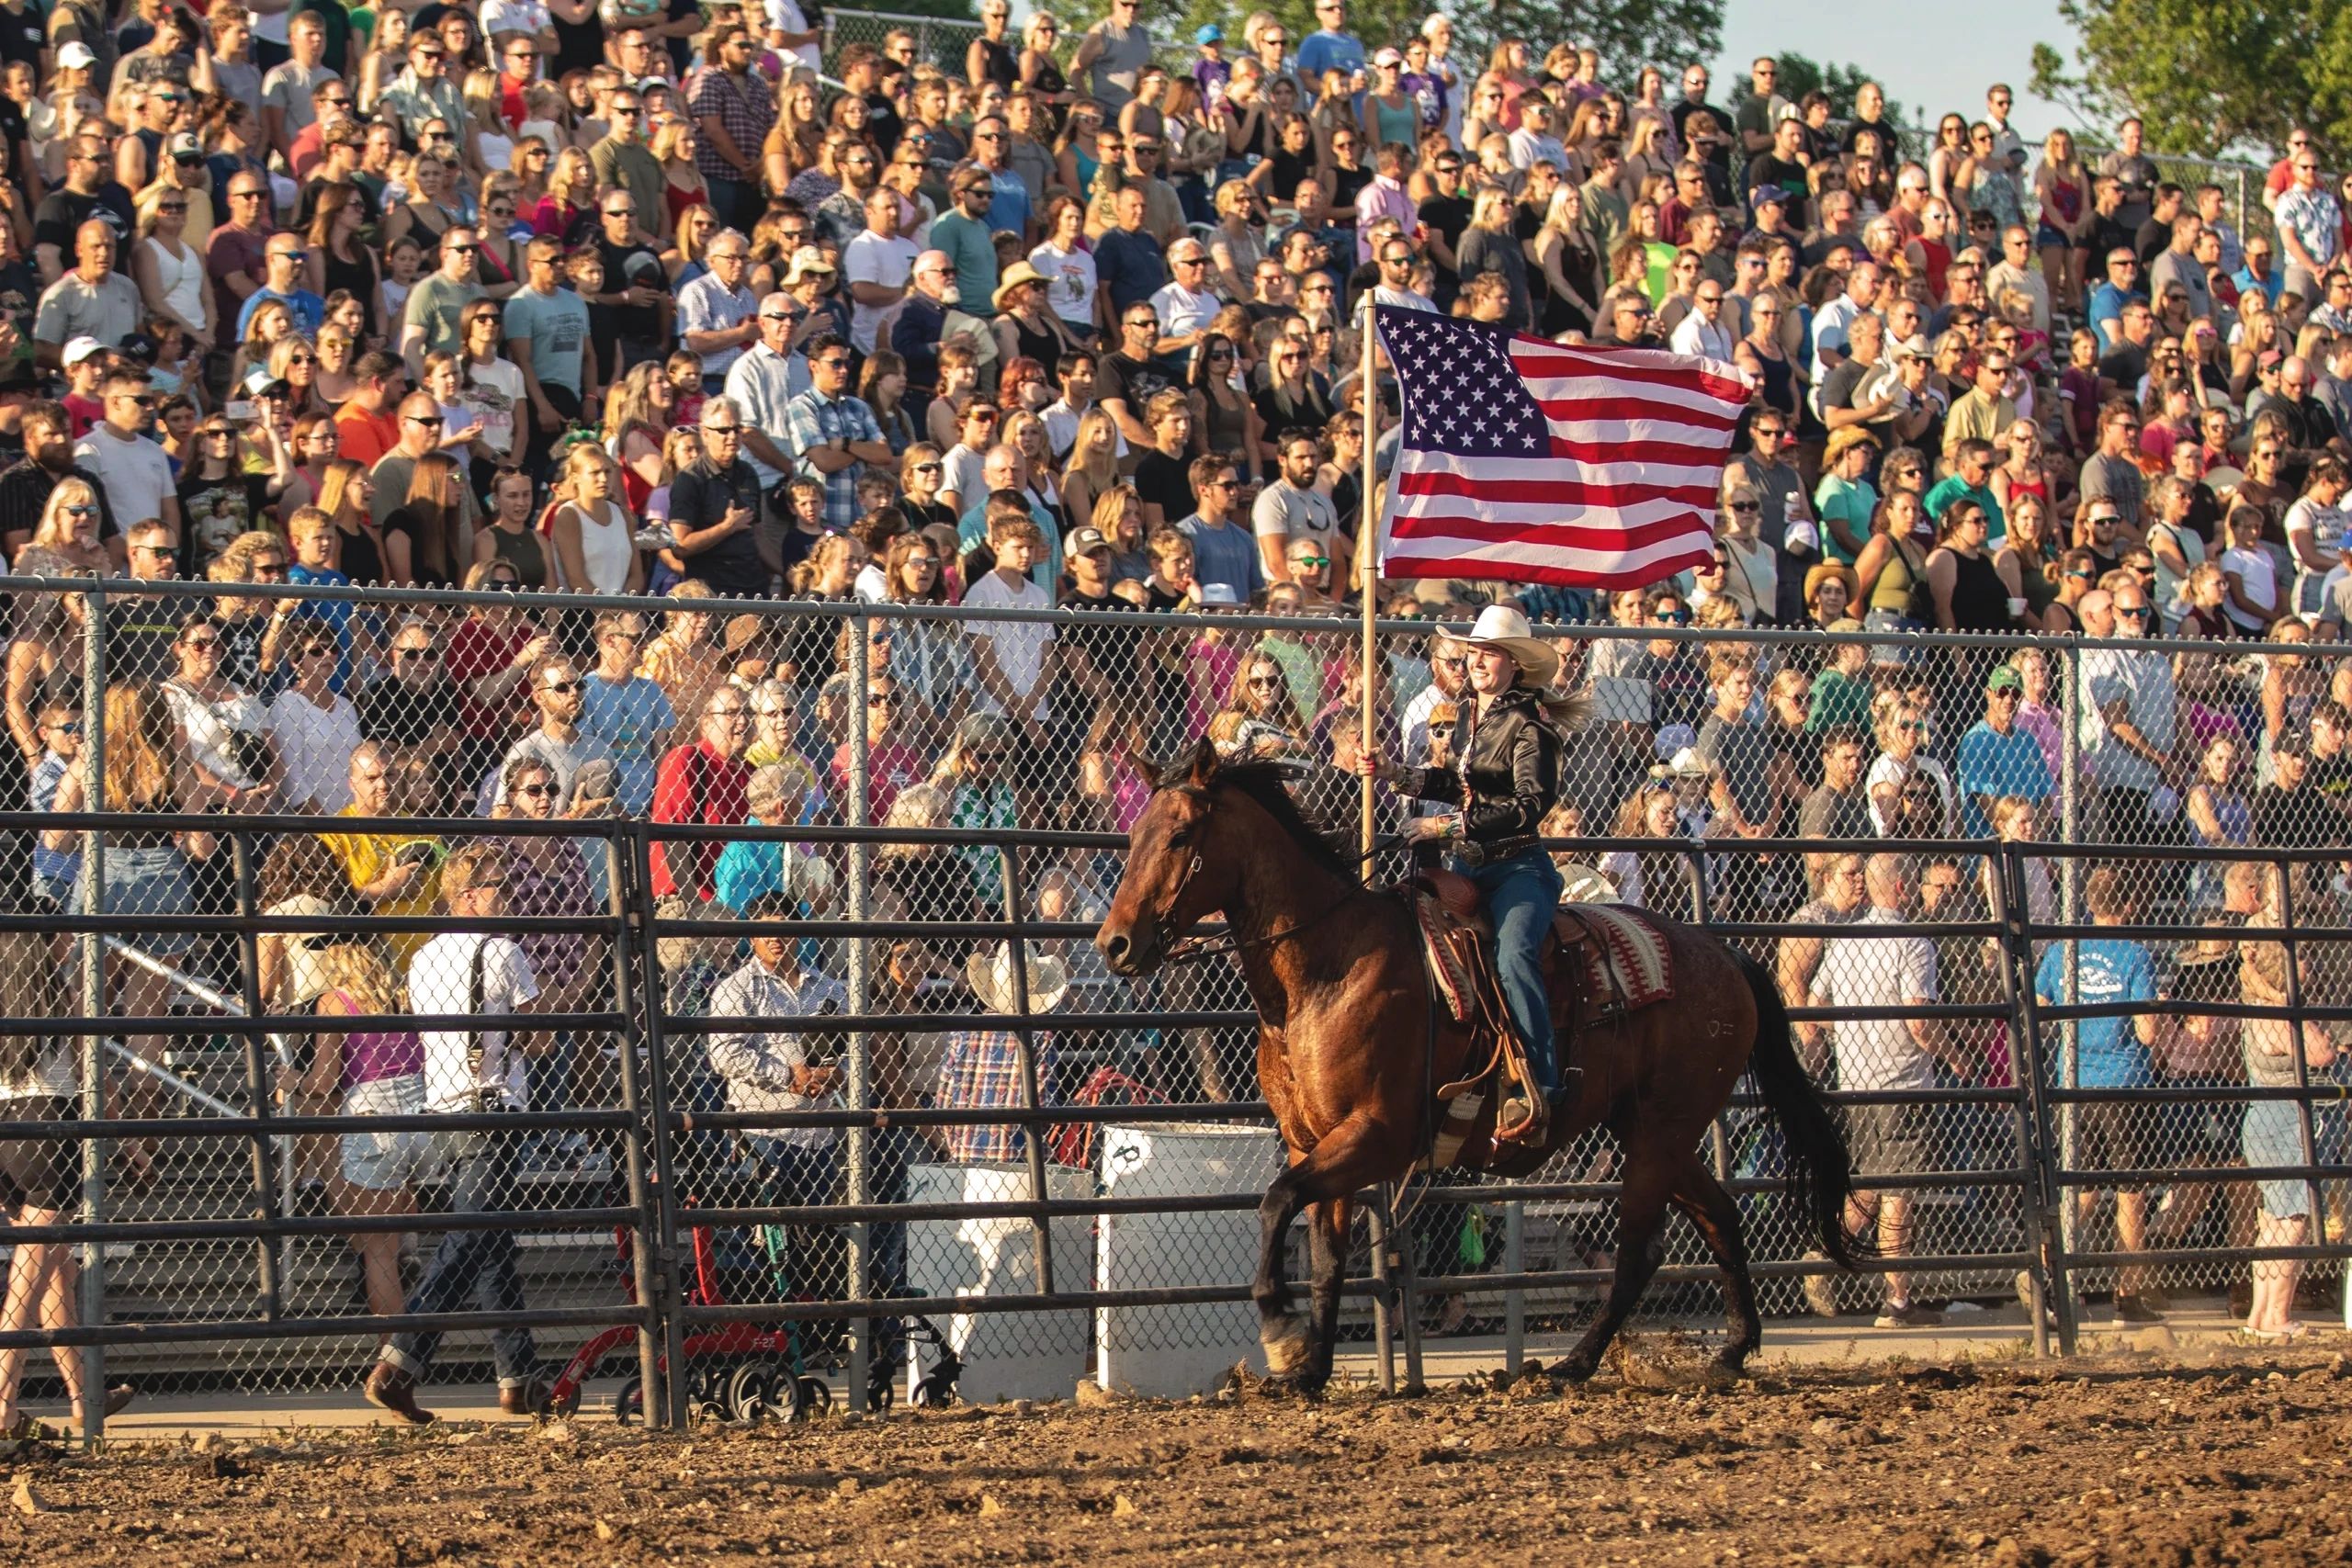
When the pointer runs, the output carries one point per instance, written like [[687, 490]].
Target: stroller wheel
[[561, 1401], [629, 1403], [935, 1393], [816, 1397], [881, 1391], [748, 1392]]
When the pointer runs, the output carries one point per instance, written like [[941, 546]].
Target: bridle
[[1195, 948]]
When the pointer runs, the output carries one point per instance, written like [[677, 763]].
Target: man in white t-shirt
[[876, 265], [1013, 661], [474, 1071], [135, 473], [1862, 969], [1292, 508]]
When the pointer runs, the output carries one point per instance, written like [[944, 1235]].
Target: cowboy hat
[[1015, 277], [1505, 629], [990, 974]]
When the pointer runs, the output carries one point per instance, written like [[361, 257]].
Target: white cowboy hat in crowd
[[1502, 627], [990, 974]]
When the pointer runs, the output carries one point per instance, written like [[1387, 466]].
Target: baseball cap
[[1388, 57], [1209, 33], [76, 55], [81, 349], [597, 779], [259, 383], [2004, 678], [1078, 541], [743, 631], [184, 145], [1764, 195], [1221, 595]]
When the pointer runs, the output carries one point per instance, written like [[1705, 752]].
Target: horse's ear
[[1146, 769], [1201, 766]]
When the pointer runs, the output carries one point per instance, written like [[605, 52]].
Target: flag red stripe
[[1560, 492], [1551, 537], [1407, 567], [1537, 358], [1607, 406]]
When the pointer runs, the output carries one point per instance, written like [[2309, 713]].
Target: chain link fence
[[712, 985]]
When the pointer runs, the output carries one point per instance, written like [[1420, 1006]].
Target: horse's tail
[[1821, 1172]]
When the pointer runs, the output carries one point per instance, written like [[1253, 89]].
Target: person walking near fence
[[1860, 968], [470, 1072], [2112, 1052]]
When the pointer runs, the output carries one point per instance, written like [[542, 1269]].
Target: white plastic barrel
[[1025, 1355], [1172, 1352]]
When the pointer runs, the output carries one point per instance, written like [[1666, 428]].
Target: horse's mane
[[1263, 783]]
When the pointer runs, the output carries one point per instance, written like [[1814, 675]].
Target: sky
[[1928, 58]]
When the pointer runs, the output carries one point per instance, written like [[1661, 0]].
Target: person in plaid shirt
[[834, 434], [980, 1068]]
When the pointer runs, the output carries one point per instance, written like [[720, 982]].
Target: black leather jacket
[[1507, 777]]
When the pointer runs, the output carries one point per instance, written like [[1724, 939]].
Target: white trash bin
[[1025, 1355], [1172, 1352]]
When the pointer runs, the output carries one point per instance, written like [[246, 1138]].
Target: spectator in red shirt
[[367, 424], [489, 657], [890, 763], [706, 781]]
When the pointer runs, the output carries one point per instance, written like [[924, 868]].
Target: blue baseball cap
[[1210, 33]]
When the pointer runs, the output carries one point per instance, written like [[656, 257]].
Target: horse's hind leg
[[1650, 1180], [1700, 1196], [1348, 1159]]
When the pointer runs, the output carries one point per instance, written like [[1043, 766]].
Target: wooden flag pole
[[1368, 573]]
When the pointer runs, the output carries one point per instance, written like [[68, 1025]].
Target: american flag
[[1531, 461]]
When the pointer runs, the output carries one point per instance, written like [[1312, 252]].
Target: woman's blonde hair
[[140, 745], [53, 530], [360, 968], [1100, 467]]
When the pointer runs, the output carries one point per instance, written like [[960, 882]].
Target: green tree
[[1799, 75], [2208, 76]]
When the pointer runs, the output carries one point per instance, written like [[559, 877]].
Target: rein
[[1195, 948]]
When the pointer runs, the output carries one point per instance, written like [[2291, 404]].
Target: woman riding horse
[[1506, 775]]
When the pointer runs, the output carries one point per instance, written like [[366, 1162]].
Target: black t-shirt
[[634, 320], [390, 709], [21, 36], [213, 512], [605, 341], [1890, 141], [883, 126], [62, 212], [2290, 819], [2125, 365], [317, 186], [19, 301], [1448, 215], [2154, 236], [141, 629], [1131, 380], [579, 46], [1838, 392], [1116, 652], [1764, 169], [1166, 479], [1346, 185], [699, 497]]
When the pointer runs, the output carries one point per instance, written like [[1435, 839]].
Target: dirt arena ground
[[2227, 1459]]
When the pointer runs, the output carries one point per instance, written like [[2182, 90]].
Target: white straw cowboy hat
[[990, 974], [1501, 628]]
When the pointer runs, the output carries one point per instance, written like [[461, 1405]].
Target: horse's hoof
[[1575, 1368], [1287, 1349]]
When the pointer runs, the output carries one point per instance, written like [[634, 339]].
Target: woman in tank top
[[169, 270], [593, 532]]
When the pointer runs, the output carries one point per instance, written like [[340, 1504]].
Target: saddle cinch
[[1603, 960]]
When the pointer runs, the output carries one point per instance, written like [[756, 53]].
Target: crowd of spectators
[[542, 297]]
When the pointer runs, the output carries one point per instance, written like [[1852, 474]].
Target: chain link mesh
[[1746, 780]]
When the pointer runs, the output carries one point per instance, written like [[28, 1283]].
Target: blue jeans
[[1521, 894], [475, 1266]]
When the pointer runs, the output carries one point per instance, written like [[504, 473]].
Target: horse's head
[[1175, 873]]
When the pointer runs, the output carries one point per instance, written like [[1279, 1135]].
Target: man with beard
[[25, 487]]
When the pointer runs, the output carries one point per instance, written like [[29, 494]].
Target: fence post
[[93, 1001], [641, 1195], [1032, 1137], [2317, 1233], [2039, 1198], [859, 1155], [258, 1089], [2072, 829], [670, 1396], [1514, 1298]]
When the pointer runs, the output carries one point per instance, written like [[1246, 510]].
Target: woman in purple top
[[370, 1072]]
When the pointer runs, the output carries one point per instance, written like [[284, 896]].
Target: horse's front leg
[[1351, 1157], [1327, 1232]]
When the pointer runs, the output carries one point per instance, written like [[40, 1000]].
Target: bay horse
[[1349, 1046]]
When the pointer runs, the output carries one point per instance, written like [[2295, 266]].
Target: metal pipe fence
[[856, 1125]]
